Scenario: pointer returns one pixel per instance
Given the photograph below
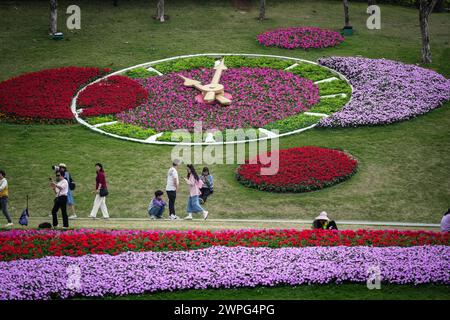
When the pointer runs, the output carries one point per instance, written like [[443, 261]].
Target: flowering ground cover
[[218, 267], [300, 170], [260, 96], [300, 37], [32, 244], [44, 96], [112, 95], [386, 91]]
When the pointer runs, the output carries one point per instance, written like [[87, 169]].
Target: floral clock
[[275, 95]]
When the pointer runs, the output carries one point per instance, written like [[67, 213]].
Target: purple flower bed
[[218, 267], [260, 96], [300, 37], [385, 91]]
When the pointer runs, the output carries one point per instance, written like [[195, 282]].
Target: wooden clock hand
[[219, 68]]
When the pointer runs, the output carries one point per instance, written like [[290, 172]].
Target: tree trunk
[[262, 9], [347, 18], [53, 16], [116, 3], [371, 2], [160, 10], [425, 8]]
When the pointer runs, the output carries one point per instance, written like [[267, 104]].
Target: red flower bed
[[300, 170], [44, 96], [29, 244], [112, 95]]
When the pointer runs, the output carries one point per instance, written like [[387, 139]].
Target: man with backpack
[[70, 199]]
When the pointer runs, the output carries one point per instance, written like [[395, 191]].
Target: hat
[[63, 165], [322, 216]]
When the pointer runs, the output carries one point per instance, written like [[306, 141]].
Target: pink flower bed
[[260, 96], [300, 37]]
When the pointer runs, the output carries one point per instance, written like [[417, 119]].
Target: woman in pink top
[[195, 184]]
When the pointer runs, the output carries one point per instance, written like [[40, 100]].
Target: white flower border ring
[[152, 139]]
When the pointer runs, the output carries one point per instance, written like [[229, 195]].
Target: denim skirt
[[193, 205]]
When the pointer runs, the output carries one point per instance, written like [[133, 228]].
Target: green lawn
[[314, 292], [404, 169]]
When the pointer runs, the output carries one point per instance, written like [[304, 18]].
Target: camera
[[56, 168]]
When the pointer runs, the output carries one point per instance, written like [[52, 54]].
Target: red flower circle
[[300, 170], [45, 94], [112, 95]]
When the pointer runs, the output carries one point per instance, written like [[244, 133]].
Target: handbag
[[103, 192]]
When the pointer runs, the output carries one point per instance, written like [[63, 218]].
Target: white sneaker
[[152, 218], [189, 217], [9, 225], [174, 217], [74, 216], [205, 215]]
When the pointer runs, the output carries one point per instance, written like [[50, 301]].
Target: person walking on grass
[[195, 184], [208, 185], [4, 194], [70, 199], [172, 186], [61, 188], [101, 191], [157, 206]]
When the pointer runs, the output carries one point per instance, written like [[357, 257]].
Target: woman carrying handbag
[[101, 191]]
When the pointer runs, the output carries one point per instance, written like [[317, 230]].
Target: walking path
[[257, 222]]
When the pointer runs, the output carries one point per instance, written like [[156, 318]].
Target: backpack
[[72, 184], [23, 220], [45, 225]]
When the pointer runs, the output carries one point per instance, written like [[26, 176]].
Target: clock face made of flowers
[[274, 95]]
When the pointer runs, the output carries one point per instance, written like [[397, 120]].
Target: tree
[[425, 8], [160, 10], [53, 16], [371, 2], [347, 17], [262, 9]]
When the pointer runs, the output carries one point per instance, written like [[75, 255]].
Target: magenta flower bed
[[386, 91], [260, 96], [300, 37], [218, 267]]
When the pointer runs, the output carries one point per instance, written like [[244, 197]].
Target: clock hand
[[219, 68], [223, 100]]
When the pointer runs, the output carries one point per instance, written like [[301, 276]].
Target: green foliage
[[100, 119], [334, 87], [140, 72], [184, 64], [256, 62], [311, 71], [128, 130], [239, 135], [292, 123], [179, 137], [329, 105]]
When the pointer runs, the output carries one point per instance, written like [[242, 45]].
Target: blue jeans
[[156, 211], [193, 205]]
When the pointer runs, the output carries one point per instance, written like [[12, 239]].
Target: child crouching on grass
[[157, 206]]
